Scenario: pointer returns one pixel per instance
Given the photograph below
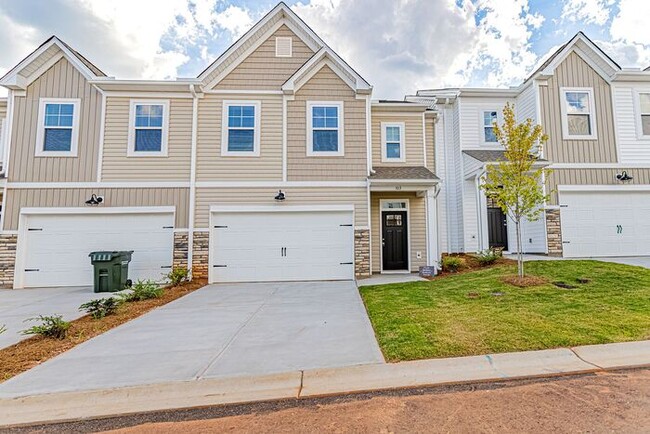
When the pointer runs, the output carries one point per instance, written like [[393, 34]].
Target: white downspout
[[192, 200]]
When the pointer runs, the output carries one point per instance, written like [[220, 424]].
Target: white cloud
[[235, 19], [587, 11], [412, 44], [630, 43]]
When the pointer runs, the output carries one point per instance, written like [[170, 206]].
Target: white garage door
[[55, 247], [605, 223], [282, 246]]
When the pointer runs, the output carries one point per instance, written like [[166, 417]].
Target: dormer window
[[283, 46], [58, 127]]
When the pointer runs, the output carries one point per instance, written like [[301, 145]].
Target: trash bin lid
[[103, 256]]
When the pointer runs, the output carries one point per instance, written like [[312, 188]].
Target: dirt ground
[[604, 402]]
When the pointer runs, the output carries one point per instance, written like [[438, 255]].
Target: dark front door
[[394, 240], [497, 228]]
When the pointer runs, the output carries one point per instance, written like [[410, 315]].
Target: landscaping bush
[[178, 276], [452, 264], [101, 307], [142, 290], [488, 257], [3, 329], [51, 326]]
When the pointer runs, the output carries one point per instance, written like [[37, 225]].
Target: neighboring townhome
[[274, 164], [597, 118]]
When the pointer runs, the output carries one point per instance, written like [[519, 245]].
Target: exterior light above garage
[[280, 196], [94, 200], [623, 176]]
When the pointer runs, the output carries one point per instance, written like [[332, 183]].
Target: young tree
[[515, 184]]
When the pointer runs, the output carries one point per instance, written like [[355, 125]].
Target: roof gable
[[587, 50], [43, 58], [326, 57]]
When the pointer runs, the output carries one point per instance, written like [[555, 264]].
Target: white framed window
[[283, 46], [643, 110], [148, 128], [240, 132], [325, 128], [488, 118], [578, 113], [392, 142], [58, 127]]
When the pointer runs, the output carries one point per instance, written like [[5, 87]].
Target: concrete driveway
[[17, 305], [218, 331]]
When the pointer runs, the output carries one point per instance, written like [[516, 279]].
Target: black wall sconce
[[94, 200], [280, 196], [623, 176]]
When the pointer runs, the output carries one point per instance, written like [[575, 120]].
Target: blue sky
[[397, 45]]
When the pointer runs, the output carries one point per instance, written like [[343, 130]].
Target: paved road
[[222, 330], [606, 402]]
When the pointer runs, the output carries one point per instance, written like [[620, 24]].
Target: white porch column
[[481, 211], [433, 250]]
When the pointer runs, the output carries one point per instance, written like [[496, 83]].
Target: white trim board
[[597, 188], [278, 208], [121, 184], [381, 235], [100, 210]]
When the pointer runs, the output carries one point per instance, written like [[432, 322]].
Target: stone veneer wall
[[200, 252], [554, 232], [362, 253], [7, 260], [180, 249]]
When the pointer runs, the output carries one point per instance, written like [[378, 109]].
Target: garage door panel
[[58, 246], [605, 223], [277, 246]]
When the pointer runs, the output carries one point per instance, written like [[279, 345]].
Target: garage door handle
[[32, 269], [219, 266], [165, 266], [346, 225], [346, 263]]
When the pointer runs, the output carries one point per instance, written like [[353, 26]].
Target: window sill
[[55, 154], [144, 154]]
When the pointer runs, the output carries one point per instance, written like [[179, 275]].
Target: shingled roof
[[403, 172], [490, 155]]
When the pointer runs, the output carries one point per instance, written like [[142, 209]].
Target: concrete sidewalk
[[321, 382]]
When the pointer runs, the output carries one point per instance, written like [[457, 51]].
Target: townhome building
[[273, 164], [597, 118]]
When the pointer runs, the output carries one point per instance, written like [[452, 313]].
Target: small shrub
[[178, 276], [101, 307], [51, 326], [452, 264], [3, 328], [488, 257], [142, 290]]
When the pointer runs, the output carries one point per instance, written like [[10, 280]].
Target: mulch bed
[[26, 354], [524, 282], [471, 263]]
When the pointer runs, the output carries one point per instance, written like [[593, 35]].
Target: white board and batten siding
[[600, 223], [633, 148], [53, 246], [281, 244]]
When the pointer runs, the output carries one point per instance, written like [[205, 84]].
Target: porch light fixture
[[280, 196], [623, 176], [94, 200]]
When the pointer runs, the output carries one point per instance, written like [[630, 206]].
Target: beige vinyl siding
[[417, 231], [325, 85], [263, 70], [212, 166], [575, 72], [430, 132], [113, 197], [62, 80], [413, 144], [591, 177], [117, 166], [357, 196]]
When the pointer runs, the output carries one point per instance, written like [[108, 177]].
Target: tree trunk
[[520, 255]]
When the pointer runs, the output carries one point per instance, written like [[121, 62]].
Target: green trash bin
[[111, 270]]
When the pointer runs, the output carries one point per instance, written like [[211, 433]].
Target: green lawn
[[437, 318]]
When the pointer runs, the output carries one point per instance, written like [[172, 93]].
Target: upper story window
[[241, 128], [489, 119], [644, 114], [149, 125], [325, 128], [58, 128], [283, 46], [392, 142], [578, 113]]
